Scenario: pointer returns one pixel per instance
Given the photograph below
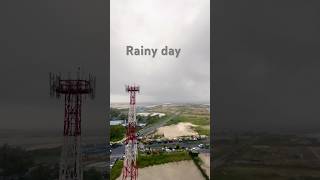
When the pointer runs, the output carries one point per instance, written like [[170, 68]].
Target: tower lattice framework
[[130, 169], [73, 91]]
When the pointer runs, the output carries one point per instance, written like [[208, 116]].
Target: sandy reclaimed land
[[205, 157], [177, 130], [182, 170]]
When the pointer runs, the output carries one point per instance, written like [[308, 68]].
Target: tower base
[[70, 163]]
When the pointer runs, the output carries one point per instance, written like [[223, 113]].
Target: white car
[[195, 148]]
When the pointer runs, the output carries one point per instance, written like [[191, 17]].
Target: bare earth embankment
[[177, 130], [182, 170]]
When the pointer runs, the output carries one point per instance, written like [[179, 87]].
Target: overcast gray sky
[[266, 65], [42, 36], [181, 24]]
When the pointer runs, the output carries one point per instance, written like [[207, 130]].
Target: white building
[[116, 122], [158, 114]]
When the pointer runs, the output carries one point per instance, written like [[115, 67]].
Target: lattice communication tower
[[74, 91], [130, 169]]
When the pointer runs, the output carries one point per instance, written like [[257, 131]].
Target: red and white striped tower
[[130, 169], [73, 90]]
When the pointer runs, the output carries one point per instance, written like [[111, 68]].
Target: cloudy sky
[[266, 65], [266, 58], [42, 36], [181, 24]]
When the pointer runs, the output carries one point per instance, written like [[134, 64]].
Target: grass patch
[[116, 170], [152, 120], [117, 133], [196, 120], [162, 158], [202, 130]]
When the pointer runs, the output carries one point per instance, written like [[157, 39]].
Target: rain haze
[[266, 65], [38, 37], [183, 24]]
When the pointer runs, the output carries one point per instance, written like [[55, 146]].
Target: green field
[[194, 119], [145, 160], [202, 130], [116, 170]]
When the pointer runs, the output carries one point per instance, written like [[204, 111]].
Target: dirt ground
[[177, 130], [205, 157], [183, 170]]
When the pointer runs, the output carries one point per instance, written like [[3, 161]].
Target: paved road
[[117, 153], [150, 129]]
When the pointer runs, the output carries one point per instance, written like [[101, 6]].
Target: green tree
[[114, 113], [117, 132], [123, 116]]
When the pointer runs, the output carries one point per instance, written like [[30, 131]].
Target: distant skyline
[[183, 24]]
